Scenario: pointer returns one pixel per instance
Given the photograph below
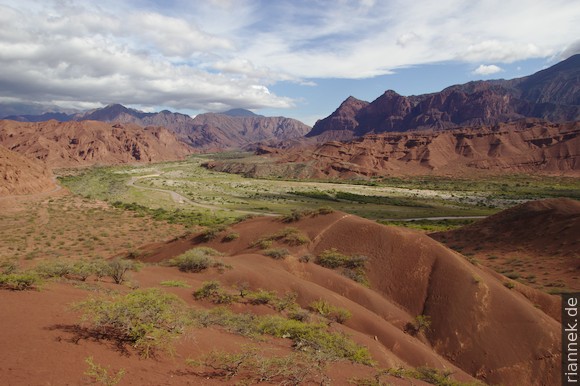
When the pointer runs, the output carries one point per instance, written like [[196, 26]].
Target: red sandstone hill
[[69, 144], [552, 94], [528, 146], [235, 128], [478, 325], [538, 241], [20, 175]]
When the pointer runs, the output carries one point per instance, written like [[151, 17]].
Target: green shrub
[[231, 236], [19, 281], [8, 266], [213, 232], [118, 269], [100, 374], [54, 268], [195, 260], [308, 337], [289, 235], [352, 266], [261, 297], [212, 290], [509, 285], [148, 319], [174, 283], [276, 253], [295, 215], [250, 367], [336, 314]]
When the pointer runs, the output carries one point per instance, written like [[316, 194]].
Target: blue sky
[[292, 58]]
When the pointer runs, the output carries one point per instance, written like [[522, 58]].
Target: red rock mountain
[[68, 144], [20, 175], [212, 131], [552, 94], [528, 146]]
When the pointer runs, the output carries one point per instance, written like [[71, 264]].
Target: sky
[[295, 58]]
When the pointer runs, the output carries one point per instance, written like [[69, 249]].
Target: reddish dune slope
[[478, 325]]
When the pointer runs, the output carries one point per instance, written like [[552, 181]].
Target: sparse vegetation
[[276, 253], [352, 266], [426, 374], [288, 235], [174, 283], [306, 337], [103, 375], [148, 319], [249, 366], [333, 313], [196, 259]]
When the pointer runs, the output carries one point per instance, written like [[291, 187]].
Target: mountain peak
[[239, 113]]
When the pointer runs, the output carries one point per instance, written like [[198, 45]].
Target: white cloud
[[201, 55], [487, 69]]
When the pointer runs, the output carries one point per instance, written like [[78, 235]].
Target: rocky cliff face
[[529, 146], [66, 144], [20, 175], [552, 94]]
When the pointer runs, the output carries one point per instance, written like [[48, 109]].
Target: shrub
[[231, 236], [261, 297], [212, 232], [148, 319], [251, 367], [118, 269], [295, 215], [54, 268], [212, 290], [336, 314], [100, 374], [509, 285], [174, 283], [353, 266], [8, 266], [325, 210], [289, 235], [276, 253], [421, 323], [195, 260], [19, 281], [305, 258]]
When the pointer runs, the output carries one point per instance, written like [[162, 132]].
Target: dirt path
[[180, 199]]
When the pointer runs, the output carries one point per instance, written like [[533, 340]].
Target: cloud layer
[[217, 54]]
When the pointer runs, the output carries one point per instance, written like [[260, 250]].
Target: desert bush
[[100, 374], [313, 337], [119, 268], [213, 232], [249, 366], [307, 337], [148, 319], [16, 281], [509, 285], [231, 236], [286, 302], [212, 290], [8, 266], [293, 216], [54, 268], [352, 266], [426, 374], [422, 323], [305, 258], [196, 260], [289, 235], [174, 283], [261, 297], [333, 313], [325, 210], [276, 253]]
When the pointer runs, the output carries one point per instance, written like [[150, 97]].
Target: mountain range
[[552, 94], [235, 128]]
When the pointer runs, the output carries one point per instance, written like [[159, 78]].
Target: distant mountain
[[552, 94], [240, 113], [69, 144], [236, 128]]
